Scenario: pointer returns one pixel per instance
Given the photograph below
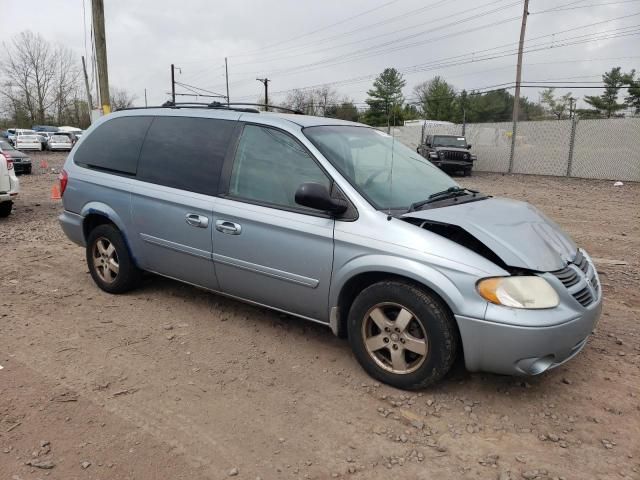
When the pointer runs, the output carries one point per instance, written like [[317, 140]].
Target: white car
[[59, 142], [28, 142], [15, 132], [9, 186]]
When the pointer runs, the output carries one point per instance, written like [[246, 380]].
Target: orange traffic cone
[[44, 164], [55, 193]]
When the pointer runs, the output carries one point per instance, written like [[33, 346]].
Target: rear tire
[[402, 335], [5, 209], [109, 262]]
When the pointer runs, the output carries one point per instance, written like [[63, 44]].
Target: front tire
[[109, 262], [402, 335]]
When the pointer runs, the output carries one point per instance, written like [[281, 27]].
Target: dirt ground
[[172, 382]]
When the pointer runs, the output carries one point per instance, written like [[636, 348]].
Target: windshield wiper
[[450, 192]]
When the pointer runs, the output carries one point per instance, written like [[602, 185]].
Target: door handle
[[227, 227], [196, 220]]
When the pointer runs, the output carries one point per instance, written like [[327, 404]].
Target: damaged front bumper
[[528, 342], [524, 350]]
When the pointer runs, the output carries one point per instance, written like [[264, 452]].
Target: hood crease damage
[[509, 233]]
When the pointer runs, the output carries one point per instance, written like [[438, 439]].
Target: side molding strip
[[176, 247], [268, 271]]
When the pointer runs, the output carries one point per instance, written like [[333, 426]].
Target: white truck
[[9, 186]]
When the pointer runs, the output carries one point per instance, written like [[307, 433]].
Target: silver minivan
[[334, 222]]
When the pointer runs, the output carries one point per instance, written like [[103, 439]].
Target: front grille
[[584, 297], [448, 155], [567, 276], [581, 262], [577, 276]]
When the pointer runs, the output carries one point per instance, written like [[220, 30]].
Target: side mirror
[[469, 147], [316, 196]]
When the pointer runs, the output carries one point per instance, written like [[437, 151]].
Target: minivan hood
[[517, 232]]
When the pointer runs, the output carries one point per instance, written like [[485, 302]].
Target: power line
[[317, 30], [444, 63], [565, 8], [361, 52], [190, 87], [454, 34], [349, 57], [374, 37]]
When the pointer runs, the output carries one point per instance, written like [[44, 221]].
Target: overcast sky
[[345, 42]]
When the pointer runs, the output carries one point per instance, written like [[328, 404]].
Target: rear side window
[[115, 145], [185, 153]]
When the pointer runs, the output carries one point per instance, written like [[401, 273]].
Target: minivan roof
[[301, 120]]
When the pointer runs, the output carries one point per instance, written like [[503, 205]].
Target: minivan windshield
[[449, 141], [387, 173]]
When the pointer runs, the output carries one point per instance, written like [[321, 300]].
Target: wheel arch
[[352, 279], [96, 214]]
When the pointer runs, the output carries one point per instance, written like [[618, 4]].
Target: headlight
[[518, 292], [433, 155]]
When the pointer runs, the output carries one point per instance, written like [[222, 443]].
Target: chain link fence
[[604, 149]]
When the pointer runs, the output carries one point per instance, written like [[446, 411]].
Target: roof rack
[[236, 107]]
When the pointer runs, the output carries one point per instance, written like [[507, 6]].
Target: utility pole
[[86, 84], [226, 76], [516, 99], [173, 83], [572, 105], [145, 97], [97, 9], [265, 81]]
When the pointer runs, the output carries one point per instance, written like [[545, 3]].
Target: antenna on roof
[[393, 144]]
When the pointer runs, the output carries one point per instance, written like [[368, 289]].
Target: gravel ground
[[170, 381]]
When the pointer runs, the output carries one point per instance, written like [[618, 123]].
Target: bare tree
[[29, 69], [66, 83], [312, 101], [120, 99], [39, 80]]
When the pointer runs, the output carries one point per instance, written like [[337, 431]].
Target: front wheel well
[[357, 283]]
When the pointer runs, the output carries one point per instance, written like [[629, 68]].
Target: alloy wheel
[[394, 338], [105, 260]]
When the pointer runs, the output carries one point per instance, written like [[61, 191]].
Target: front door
[[266, 248]]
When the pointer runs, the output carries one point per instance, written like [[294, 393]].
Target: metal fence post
[[513, 146], [572, 141]]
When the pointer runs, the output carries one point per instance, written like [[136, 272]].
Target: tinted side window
[[185, 153], [114, 145], [270, 166]]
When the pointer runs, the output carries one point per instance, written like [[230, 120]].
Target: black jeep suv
[[449, 152]]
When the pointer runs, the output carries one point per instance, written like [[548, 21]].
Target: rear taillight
[[9, 161], [64, 178]]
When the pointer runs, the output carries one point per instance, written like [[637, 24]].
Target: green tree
[[633, 98], [385, 99], [495, 106], [555, 106], [437, 99], [410, 112], [607, 103], [345, 110]]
